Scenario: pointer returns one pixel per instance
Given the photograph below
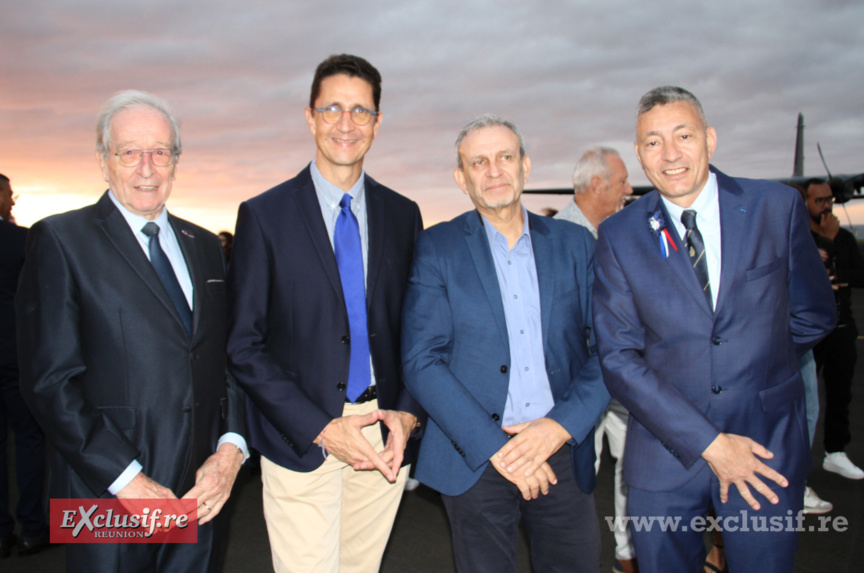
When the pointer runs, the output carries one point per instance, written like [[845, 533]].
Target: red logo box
[[124, 521]]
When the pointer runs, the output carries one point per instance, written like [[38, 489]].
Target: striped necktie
[[696, 250]]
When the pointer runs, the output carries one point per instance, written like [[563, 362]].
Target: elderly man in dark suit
[[122, 327], [29, 439], [708, 291], [317, 275]]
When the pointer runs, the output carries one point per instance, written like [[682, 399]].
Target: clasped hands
[[522, 460], [213, 483], [733, 460], [343, 438]]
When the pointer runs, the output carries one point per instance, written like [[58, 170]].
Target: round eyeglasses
[[333, 114], [160, 157]]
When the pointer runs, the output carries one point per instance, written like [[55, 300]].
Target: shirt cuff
[[237, 440], [126, 477]]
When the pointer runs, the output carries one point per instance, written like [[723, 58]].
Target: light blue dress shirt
[[529, 396], [329, 197], [707, 207], [169, 244]]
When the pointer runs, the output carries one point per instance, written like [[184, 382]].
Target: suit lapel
[[189, 247], [375, 222], [734, 232], [310, 210], [678, 261], [544, 261], [115, 227], [481, 254]]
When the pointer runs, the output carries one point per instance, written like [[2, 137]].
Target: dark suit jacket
[[12, 240], [106, 365], [456, 352], [687, 373], [288, 344]]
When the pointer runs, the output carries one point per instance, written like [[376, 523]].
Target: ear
[[526, 167], [638, 157], [310, 119], [597, 184], [103, 166], [377, 123], [459, 176], [711, 140]]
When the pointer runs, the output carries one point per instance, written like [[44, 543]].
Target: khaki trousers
[[332, 519]]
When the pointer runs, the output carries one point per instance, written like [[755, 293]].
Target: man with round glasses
[[121, 314], [318, 270]]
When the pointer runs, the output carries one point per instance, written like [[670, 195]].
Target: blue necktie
[[349, 258], [696, 250], [165, 271]]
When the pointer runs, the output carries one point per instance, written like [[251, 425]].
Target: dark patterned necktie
[[349, 259], [165, 271], [696, 250]]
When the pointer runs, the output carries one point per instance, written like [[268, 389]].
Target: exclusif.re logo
[[124, 521]]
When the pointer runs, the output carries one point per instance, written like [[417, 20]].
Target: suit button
[[345, 340], [716, 389], [503, 369], [717, 341], [496, 417], [340, 386]]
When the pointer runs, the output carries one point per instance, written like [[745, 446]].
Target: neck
[[594, 216], [342, 176], [508, 220]]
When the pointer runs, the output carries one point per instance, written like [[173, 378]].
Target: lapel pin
[[187, 233]]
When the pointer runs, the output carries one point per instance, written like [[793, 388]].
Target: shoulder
[[192, 230], [389, 196], [282, 192]]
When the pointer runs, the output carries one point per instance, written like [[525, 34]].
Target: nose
[[628, 189], [146, 167], [345, 123], [671, 151]]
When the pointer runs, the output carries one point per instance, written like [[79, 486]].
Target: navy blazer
[[687, 373], [456, 352], [288, 343], [107, 367]]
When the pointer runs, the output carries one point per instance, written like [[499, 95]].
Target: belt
[[370, 393]]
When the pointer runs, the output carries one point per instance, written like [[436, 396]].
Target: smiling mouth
[[677, 171]]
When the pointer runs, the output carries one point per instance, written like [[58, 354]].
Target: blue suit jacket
[[456, 353], [687, 373], [288, 343]]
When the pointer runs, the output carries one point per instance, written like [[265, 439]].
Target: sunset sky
[[568, 73]]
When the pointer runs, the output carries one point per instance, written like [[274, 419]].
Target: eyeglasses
[[824, 201], [333, 114], [132, 157]]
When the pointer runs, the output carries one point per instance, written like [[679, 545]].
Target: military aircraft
[[844, 186]]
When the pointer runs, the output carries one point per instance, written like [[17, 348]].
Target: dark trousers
[[563, 528], [29, 460], [835, 357], [206, 556], [667, 538]]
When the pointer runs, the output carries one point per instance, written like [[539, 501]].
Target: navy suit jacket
[[288, 344], [107, 367], [687, 373], [12, 241], [456, 352]]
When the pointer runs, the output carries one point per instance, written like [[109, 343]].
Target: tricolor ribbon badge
[[658, 225]]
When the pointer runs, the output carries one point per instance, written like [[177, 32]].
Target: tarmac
[[420, 542]]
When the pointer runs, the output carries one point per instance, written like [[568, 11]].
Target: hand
[[214, 480], [533, 443], [529, 486], [830, 225], [400, 424], [343, 438], [733, 459], [143, 487]]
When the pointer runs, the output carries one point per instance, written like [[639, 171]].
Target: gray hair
[[593, 162], [669, 94], [126, 100], [487, 120]]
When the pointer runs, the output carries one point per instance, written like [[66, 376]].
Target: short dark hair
[[669, 94], [813, 181], [3, 177], [351, 66]]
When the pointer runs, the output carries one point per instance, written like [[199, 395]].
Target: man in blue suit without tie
[[498, 348], [708, 291]]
